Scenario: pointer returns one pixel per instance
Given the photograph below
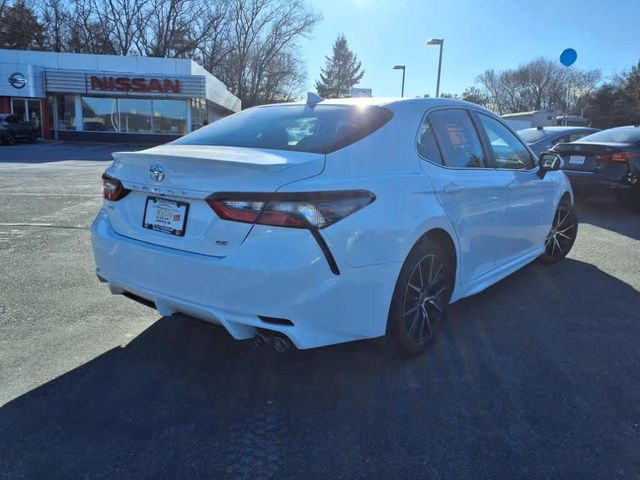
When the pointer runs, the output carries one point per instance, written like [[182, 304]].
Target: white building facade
[[71, 96]]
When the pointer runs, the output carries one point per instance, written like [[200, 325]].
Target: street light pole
[[437, 41], [403, 68]]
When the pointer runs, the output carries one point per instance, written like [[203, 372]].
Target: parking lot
[[536, 377]]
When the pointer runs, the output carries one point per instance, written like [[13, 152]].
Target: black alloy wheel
[[562, 235], [420, 298]]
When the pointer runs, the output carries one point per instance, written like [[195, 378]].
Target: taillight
[[112, 188], [623, 157], [294, 210]]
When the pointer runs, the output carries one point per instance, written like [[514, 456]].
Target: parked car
[[605, 163], [358, 229], [13, 129], [542, 139]]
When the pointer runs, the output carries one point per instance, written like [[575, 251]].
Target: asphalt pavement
[[536, 377]]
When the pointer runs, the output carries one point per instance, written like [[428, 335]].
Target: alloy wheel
[[424, 299], [562, 235]]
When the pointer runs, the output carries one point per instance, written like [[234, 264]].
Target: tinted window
[[615, 135], [11, 119], [457, 137], [427, 146], [532, 135], [320, 129], [508, 150], [571, 137]]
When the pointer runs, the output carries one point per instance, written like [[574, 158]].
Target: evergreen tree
[[20, 28], [341, 72]]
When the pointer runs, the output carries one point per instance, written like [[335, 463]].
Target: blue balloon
[[568, 57]]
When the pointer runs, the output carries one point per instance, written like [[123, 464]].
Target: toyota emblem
[[156, 172]]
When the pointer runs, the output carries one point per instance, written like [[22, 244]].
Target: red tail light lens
[[623, 157], [112, 188], [294, 210]]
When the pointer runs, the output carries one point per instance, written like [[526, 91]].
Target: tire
[[420, 298], [10, 139], [631, 198], [562, 235]]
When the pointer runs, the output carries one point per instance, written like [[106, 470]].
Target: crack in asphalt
[[44, 225]]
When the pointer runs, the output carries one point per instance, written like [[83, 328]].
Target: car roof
[[558, 129], [624, 127], [389, 101]]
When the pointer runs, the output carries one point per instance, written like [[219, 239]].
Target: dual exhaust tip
[[278, 341]]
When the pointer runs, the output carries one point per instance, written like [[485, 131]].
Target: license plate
[[166, 216], [576, 160]]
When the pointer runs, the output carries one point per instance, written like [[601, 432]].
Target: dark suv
[[13, 129]]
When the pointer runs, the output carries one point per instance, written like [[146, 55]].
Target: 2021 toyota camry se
[[326, 221]]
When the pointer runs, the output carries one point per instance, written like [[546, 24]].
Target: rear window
[[532, 135], [615, 135], [319, 129]]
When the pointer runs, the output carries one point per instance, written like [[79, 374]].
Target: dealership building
[[74, 96]]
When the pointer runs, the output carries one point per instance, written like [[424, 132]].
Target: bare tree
[[261, 65], [176, 28], [251, 45], [86, 33], [124, 19], [538, 84], [55, 19]]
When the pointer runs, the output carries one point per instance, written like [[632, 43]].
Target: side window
[[427, 146], [457, 137], [12, 119], [508, 150]]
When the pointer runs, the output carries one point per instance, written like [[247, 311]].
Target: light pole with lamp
[[437, 41], [403, 68]]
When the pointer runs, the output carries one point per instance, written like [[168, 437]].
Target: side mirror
[[549, 162]]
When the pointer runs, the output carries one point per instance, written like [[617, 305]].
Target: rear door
[[169, 185], [529, 199], [472, 196]]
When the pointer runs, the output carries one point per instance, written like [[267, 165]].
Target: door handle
[[453, 188]]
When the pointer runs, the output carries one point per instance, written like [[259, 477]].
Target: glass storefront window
[[169, 116], [128, 115], [99, 114], [198, 113], [135, 115], [66, 112]]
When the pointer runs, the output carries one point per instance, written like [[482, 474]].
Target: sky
[[478, 34]]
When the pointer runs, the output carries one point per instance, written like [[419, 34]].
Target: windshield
[[615, 135], [532, 135], [319, 129]]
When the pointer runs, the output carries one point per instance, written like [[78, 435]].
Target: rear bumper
[[280, 273], [592, 184]]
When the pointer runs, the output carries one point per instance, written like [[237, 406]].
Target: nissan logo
[[17, 80], [156, 172]]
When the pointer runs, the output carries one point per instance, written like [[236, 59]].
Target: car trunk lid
[[177, 179], [584, 157]]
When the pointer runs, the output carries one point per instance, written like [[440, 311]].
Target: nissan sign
[[135, 85], [17, 80]]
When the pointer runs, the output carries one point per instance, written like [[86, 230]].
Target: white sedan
[[325, 221]]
